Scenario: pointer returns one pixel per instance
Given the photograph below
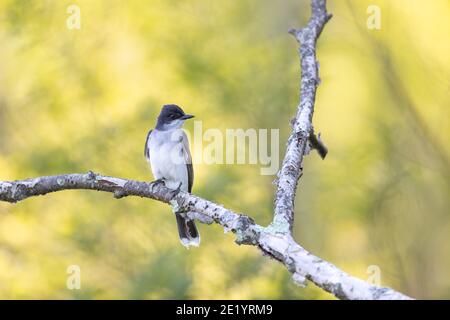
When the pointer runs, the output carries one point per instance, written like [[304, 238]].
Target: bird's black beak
[[187, 116]]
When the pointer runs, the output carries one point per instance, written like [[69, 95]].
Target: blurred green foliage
[[79, 100]]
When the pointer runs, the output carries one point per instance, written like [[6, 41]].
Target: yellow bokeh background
[[79, 100]]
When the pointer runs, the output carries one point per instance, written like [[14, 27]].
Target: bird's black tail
[[187, 231]]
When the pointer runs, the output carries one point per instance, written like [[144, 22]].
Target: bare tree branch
[[275, 240], [302, 129], [272, 242]]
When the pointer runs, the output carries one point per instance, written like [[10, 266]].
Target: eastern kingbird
[[167, 151]]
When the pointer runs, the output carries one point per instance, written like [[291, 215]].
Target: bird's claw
[[176, 191], [157, 182]]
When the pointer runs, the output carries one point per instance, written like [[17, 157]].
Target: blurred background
[[84, 99]]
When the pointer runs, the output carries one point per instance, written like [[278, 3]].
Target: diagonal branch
[[271, 241], [298, 143]]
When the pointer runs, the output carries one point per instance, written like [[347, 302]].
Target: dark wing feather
[[146, 148], [190, 170], [189, 167]]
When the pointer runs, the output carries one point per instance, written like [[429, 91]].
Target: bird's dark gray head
[[171, 117]]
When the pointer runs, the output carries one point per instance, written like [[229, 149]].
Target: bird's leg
[[157, 182], [176, 191], [173, 203]]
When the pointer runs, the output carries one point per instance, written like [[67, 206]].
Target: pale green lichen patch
[[279, 225], [243, 237], [248, 235], [174, 205]]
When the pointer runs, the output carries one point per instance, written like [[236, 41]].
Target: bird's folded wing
[[188, 160], [146, 147]]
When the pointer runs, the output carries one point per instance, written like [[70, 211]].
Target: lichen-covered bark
[[274, 240], [297, 145]]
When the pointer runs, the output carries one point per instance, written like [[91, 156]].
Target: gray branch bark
[[270, 240], [302, 136], [275, 240]]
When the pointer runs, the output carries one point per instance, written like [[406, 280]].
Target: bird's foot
[[173, 202], [157, 182], [176, 191]]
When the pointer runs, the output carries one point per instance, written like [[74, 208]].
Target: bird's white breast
[[167, 158]]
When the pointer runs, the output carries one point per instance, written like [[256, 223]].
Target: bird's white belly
[[167, 164]]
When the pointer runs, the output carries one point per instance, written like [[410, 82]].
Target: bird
[[167, 152]]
